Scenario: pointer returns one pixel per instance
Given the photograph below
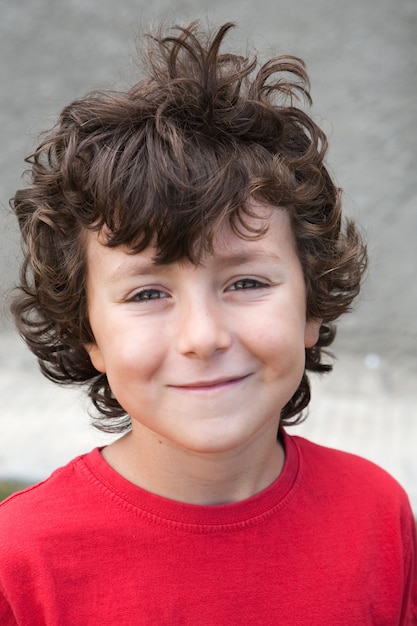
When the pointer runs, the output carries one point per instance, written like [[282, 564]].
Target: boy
[[186, 257]]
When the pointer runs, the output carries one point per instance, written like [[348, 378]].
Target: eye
[[247, 283], [148, 294]]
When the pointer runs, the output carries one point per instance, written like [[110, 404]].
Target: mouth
[[211, 385]]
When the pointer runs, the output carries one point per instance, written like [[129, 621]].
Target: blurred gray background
[[362, 60]]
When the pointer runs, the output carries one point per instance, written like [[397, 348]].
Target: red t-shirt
[[330, 542]]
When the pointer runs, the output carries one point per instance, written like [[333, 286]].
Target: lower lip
[[209, 389]]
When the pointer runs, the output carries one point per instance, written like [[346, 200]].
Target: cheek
[[135, 373], [132, 362], [280, 345]]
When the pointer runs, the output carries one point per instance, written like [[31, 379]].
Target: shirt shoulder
[[49, 501], [342, 465], [355, 483]]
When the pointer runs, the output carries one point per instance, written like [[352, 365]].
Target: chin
[[218, 442]]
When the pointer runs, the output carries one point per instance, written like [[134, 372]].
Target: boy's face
[[203, 357]]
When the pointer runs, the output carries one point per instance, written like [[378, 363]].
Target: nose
[[202, 329]]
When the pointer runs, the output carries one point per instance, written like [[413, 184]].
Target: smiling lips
[[211, 385]]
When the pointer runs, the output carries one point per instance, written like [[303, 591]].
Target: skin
[[203, 358]]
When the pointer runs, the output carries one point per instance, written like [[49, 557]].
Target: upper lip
[[211, 383]]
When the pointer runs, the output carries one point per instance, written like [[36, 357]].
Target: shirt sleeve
[[409, 617]]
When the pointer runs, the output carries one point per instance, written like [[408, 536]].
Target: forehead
[[267, 231], [265, 224]]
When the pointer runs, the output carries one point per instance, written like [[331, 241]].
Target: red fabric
[[331, 542]]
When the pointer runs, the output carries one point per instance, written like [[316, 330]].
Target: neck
[[195, 477]]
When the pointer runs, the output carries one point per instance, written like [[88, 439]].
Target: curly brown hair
[[169, 161]]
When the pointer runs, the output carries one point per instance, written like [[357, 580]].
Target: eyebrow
[[131, 269], [248, 256]]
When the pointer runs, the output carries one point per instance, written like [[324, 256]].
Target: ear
[[96, 357], [311, 332]]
